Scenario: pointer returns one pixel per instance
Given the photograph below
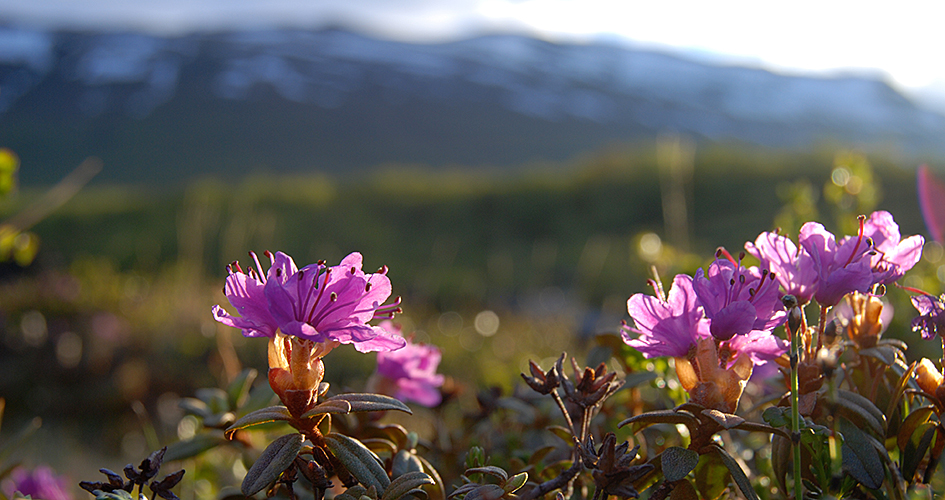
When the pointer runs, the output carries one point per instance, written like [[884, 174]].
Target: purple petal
[[737, 318]]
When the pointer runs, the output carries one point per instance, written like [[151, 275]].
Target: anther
[[367, 287], [333, 297]]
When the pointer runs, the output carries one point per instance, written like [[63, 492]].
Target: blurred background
[[520, 166]]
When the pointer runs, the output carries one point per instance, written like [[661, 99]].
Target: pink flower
[[666, 327], [325, 305], [738, 300], [41, 484], [931, 319], [893, 256], [411, 371], [791, 265], [841, 268]]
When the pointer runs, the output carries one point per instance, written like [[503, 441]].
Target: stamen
[[354, 270], [382, 270], [367, 287], [262, 274], [859, 239], [333, 297], [728, 256]]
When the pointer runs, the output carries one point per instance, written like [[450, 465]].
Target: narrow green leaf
[[860, 458], [215, 398], [515, 482], [329, 406], [404, 462], [861, 411], [885, 354], [916, 448], [193, 446], [371, 402], [900, 388], [491, 470], [711, 477], [726, 420], [272, 463], [662, 417], [485, 492], [439, 492], [781, 455], [638, 378], [738, 475], [405, 484], [361, 462], [270, 414], [916, 418], [678, 462], [238, 390]]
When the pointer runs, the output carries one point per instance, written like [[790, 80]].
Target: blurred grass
[[553, 249]]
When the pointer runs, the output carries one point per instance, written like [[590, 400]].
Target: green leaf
[[781, 455], [900, 388], [371, 402], [329, 406], [738, 475], [270, 414], [439, 492], [885, 354], [711, 476], [491, 470], [113, 495], [272, 463], [663, 417], [361, 462], [860, 458], [861, 411], [238, 390], [726, 420], [215, 398], [515, 482], [916, 448], [777, 416], [485, 492], [683, 491], [638, 378], [916, 418], [678, 462], [405, 484], [404, 462], [193, 446]]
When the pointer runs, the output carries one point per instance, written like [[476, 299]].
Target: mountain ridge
[[163, 109]]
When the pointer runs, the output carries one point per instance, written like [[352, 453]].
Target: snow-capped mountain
[[159, 108]]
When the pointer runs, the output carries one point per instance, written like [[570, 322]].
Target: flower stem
[[795, 413]]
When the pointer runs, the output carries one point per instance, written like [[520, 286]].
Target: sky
[[902, 44]]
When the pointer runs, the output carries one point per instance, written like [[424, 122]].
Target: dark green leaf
[[404, 462], [485, 492], [662, 417], [684, 491], [215, 398], [371, 402], [272, 463], [114, 495], [711, 476], [861, 411], [860, 458], [194, 446], [777, 416], [678, 462], [238, 390], [491, 470], [270, 414], [361, 462], [738, 475], [781, 456], [438, 493], [900, 388], [329, 406], [916, 418], [639, 378], [726, 420], [195, 406], [406, 483], [916, 448], [885, 354]]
